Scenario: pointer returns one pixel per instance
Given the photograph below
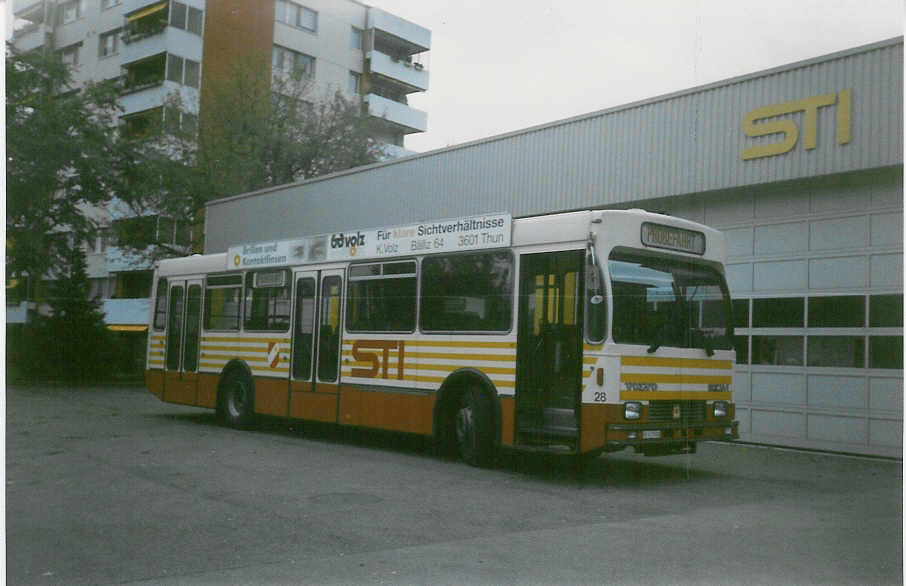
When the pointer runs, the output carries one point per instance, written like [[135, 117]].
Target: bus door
[[549, 354], [182, 346], [316, 345]]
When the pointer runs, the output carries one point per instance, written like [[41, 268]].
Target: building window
[[777, 350], [783, 312], [107, 4], [885, 311], [109, 44], [174, 68], [836, 351], [103, 239], [381, 297], [71, 11], [98, 288], [70, 56], [740, 313], [741, 345], [293, 63], [296, 15], [174, 121], [846, 311], [192, 76], [355, 82], [134, 285], [178, 15], [885, 352], [186, 17], [183, 71], [196, 21], [355, 39]]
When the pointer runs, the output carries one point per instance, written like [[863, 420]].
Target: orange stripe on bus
[[675, 362], [692, 379], [439, 343], [673, 396]]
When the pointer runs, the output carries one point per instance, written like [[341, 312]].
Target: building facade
[[158, 48], [801, 166]]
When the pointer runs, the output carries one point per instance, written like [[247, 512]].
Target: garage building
[[801, 166]]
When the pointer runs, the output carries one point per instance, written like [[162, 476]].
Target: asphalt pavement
[[110, 486]]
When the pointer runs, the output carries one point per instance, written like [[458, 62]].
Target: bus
[[574, 333]]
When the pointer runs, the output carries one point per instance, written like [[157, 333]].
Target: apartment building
[[158, 48]]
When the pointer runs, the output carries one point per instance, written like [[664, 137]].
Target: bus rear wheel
[[473, 428], [236, 401]]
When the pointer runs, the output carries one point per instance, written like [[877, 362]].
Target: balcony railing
[[417, 38], [412, 75], [407, 119], [31, 37]]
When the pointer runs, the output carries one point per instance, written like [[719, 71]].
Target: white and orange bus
[[579, 332]]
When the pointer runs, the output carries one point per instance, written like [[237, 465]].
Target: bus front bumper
[[669, 437]]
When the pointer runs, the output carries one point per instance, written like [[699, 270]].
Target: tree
[[61, 150], [73, 342], [256, 130]]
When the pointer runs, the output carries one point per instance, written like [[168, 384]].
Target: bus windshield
[[669, 302]]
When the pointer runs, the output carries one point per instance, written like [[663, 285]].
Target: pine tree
[[74, 339]]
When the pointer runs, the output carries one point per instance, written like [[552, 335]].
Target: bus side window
[[160, 305], [381, 297], [267, 301], [223, 303], [329, 336], [467, 292], [305, 313], [174, 328]]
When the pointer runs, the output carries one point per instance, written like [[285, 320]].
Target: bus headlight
[[721, 409], [632, 410]]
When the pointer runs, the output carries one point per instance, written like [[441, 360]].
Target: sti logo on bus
[[756, 124], [350, 241]]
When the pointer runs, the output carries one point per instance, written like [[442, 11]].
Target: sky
[[497, 66]]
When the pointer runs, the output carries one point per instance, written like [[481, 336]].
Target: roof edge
[[893, 41]]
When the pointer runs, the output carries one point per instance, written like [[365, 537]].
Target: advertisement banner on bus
[[460, 234], [475, 232]]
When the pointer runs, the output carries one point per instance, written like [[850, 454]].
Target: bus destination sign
[[469, 233], [671, 238]]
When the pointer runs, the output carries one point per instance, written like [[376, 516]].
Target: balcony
[[121, 260], [28, 9], [127, 312], [389, 152], [402, 71], [20, 313], [154, 95], [411, 37], [133, 6], [167, 39], [31, 37], [407, 119]]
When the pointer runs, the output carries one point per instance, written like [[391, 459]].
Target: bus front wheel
[[474, 429], [236, 401]]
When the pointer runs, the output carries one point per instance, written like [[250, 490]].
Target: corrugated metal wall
[[690, 142]]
